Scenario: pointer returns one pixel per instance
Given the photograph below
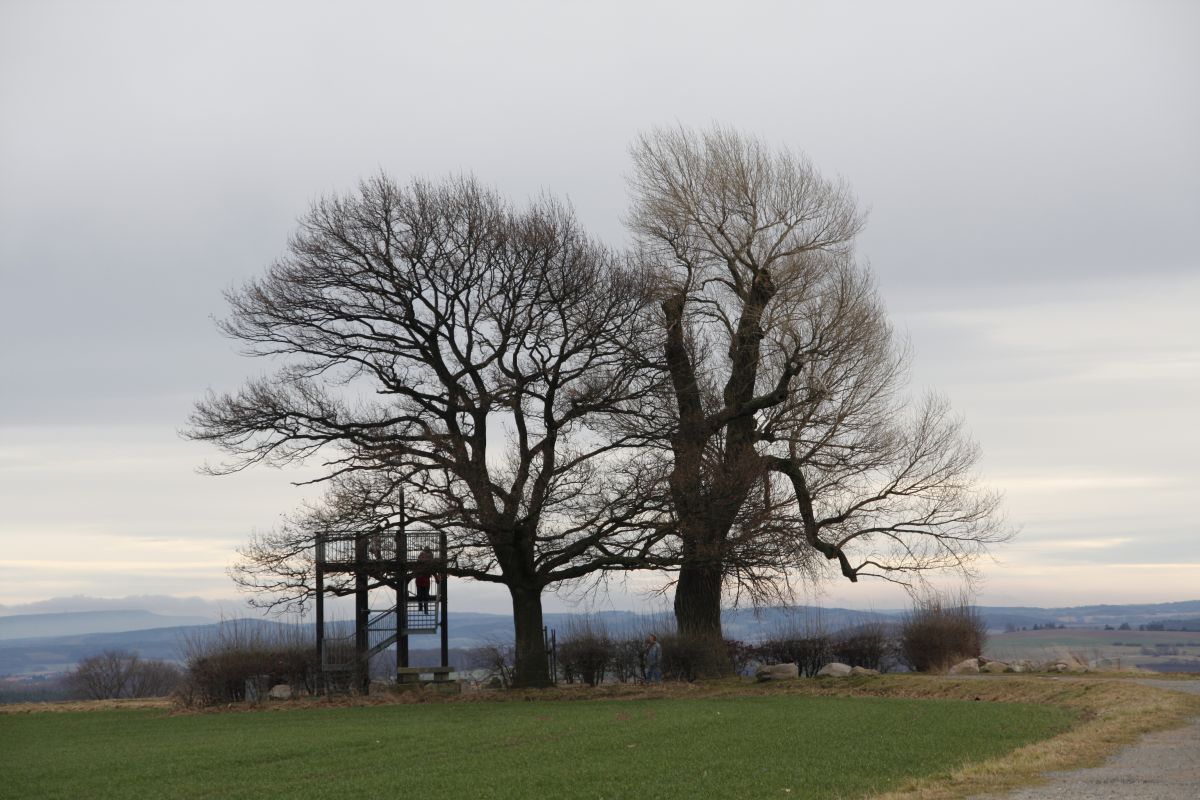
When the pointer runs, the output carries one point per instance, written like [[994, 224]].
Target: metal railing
[[418, 546]]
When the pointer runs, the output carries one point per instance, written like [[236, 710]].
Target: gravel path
[[1162, 766]]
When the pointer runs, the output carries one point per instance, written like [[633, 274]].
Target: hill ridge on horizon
[[738, 621], [173, 605], [159, 636]]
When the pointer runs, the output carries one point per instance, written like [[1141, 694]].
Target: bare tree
[[441, 347], [790, 440], [104, 676], [154, 678], [115, 674]]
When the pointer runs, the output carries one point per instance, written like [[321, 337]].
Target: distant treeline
[[1172, 625], [1165, 625], [35, 689]]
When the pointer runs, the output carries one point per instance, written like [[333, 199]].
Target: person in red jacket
[[424, 576]]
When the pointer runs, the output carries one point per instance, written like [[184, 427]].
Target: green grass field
[[810, 747]]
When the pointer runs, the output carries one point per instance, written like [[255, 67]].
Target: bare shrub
[[628, 659], [685, 658], [868, 645], [498, 659], [939, 632], [808, 653], [154, 678], [741, 655], [116, 673], [586, 651], [222, 663], [803, 642]]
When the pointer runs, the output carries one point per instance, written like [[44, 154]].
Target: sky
[[1031, 170]]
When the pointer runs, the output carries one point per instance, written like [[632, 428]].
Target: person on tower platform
[[424, 575]]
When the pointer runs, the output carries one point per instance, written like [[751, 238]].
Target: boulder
[[834, 670], [777, 672], [969, 666], [996, 667], [863, 671], [280, 691]]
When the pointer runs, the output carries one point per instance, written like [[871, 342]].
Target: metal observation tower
[[408, 571]]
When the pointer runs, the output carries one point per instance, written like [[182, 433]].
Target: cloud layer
[[1031, 170]]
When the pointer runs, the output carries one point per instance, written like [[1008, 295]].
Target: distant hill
[[155, 603], [49, 654], [55, 642], [52, 654], [24, 626]]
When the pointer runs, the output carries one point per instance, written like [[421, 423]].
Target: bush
[[241, 659], [688, 657], [628, 659], [939, 633], [803, 641], [741, 655], [499, 659], [808, 653], [115, 674], [867, 646], [586, 652], [684, 657]]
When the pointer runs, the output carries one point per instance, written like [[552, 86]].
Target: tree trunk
[[533, 666], [698, 614]]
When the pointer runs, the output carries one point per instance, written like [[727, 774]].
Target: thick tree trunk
[[698, 614], [533, 665], [698, 600]]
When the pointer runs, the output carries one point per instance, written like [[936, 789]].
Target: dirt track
[[1161, 766]]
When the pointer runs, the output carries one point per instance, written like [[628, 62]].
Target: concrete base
[[440, 687]]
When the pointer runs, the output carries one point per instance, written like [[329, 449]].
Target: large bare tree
[[791, 441], [437, 345]]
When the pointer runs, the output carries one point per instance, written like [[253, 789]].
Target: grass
[[910, 736], [1112, 713], [715, 746]]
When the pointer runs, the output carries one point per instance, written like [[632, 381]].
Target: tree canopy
[[439, 346], [791, 440], [725, 401]]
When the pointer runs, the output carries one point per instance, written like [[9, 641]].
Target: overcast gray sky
[[1032, 171]]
